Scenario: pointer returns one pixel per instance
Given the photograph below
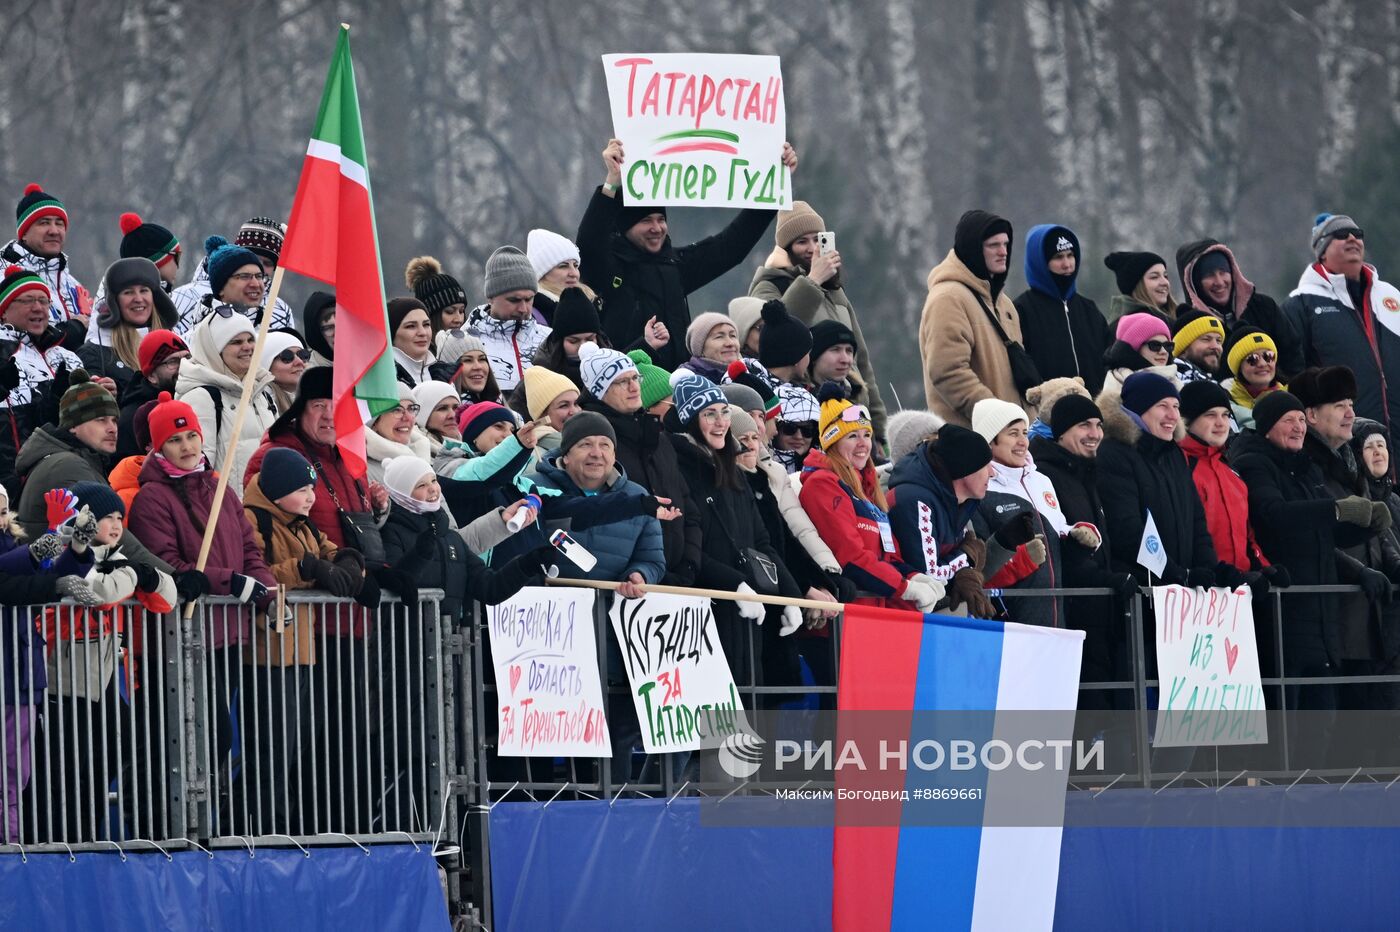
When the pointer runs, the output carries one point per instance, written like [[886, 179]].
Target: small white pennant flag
[[1151, 554]]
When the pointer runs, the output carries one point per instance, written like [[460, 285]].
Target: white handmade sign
[[550, 698], [679, 678], [700, 130], [1209, 691]]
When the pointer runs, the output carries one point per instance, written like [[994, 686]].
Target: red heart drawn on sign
[[515, 678], [1232, 653]]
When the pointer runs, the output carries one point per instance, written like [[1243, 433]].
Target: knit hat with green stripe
[[16, 282], [35, 204], [141, 240]]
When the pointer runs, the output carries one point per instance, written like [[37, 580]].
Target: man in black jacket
[[642, 279], [1064, 332], [613, 388], [1370, 632], [1299, 525], [1069, 459]]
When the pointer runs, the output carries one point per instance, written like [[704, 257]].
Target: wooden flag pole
[[705, 594], [230, 455]]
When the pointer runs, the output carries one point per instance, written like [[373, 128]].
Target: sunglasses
[[855, 414], [287, 355], [805, 428], [1263, 357], [1348, 233], [1158, 346]]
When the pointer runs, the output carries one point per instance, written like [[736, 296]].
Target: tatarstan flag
[[331, 237]]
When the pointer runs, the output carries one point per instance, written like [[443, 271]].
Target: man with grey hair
[[1347, 316]]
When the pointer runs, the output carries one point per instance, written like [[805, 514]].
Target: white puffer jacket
[[510, 344]]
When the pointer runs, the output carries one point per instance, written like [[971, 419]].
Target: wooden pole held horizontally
[[230, 455], [705, 594]]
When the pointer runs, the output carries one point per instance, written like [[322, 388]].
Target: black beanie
[[1199, 396], [575, 314], [961, 451], [826, 334], [1129, 267], [629, 215], [99, 499], [435, 288], [398, 310], [584, 424], [1072, 409], [784, 339], [1323, 386], [283, 471], [141, 240], [974, 228], [1269, 409], [316, 383]]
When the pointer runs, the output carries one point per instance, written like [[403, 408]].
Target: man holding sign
[[703, 131]]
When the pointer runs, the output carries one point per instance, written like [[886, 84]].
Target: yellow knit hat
[[542, 386], [1191, 328], [1251, 342], [839, 416]]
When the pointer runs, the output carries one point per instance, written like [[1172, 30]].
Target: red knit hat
[[169, 417], [156, 348]]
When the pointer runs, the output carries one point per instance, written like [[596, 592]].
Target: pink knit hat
[[1137, 329]]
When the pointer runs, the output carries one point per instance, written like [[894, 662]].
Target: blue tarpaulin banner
[[1242, 858], [333, 890]]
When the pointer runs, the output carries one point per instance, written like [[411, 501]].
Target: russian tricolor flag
[[965, 868]]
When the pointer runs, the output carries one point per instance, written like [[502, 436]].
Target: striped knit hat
[[142, 240], [263, 236], [740, 374], [16, 282], [35, 204]]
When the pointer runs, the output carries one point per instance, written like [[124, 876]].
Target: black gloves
[[336, 580], [350, 560], [1277, 576], [1228, 576], [147, 577], [401, 582], [426, 545], [246, 588], [1200, 577], [1375, 584], [1258, 583], [9, 375], [841, 587], [1125, 584], [369, 594], [1019, 530], [190, 585]]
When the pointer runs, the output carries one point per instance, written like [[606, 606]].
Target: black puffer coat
[[635, 285], [451, 567], [1295, 521], [1140, 473]]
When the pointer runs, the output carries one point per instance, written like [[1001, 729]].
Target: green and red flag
[[331, 237]]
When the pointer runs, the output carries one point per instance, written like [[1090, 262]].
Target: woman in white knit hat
[[555, 261], [211, 383]]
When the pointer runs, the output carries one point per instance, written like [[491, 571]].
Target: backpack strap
[[218, 398], [264, 519]]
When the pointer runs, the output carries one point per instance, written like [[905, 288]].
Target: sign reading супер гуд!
[[700, 130]]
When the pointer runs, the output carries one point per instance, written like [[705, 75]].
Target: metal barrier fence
[[130, 729], [1131, 699], [126, 729]]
